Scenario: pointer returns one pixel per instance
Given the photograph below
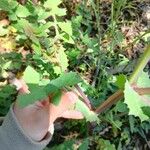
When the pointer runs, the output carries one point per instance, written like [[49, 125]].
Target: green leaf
[[12, 16], [22, 11], [105, 145], [31, 76], [7, 91], [121, 80], [57, 70], [36, 48], [66, 27], [59, 11], [29, 30], [37, 93], [146, 110], [51, 4], [66, 38], [143, 80], [56, 97], [84, 145], [3, 31], [134, 102], [42, 14], [87, 113], [121, 107], [66, 79], [62, 58], [53, 7], [7, 6], [132, 123], [44, 82], [4, 5], [43, 27], [119, 37], [6, 65]]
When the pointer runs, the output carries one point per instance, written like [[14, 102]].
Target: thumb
[[72, 114]]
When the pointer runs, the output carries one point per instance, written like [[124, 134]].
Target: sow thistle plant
[[43, 30]]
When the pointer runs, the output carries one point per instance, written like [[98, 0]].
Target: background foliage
[[99, 40]]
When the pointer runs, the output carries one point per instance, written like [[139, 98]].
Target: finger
[[24, 88], [72, 114], [21, 86], [70, 98], [17, 83], [42, 103]]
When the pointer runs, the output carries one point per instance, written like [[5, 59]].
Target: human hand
[[37, 119]]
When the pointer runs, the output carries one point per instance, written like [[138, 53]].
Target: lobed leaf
[[63, 60], [22, 11], [53, 7], [87, 113], [134, 102], [143, 80], [146, 110], [31, 76], [37, 93], [56, 97], [7, 6], [66, 79], [40, 90], [66, 27], [121, 80]]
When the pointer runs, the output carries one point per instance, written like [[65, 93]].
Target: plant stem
[[86, 100], [119, 94], [110, 101], [141, 65], [142, 91]]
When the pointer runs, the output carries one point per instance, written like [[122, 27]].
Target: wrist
[[31, 124]]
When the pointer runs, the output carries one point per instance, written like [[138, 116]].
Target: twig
[[141, 65]]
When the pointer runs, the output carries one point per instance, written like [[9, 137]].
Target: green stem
[[140, 66]]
